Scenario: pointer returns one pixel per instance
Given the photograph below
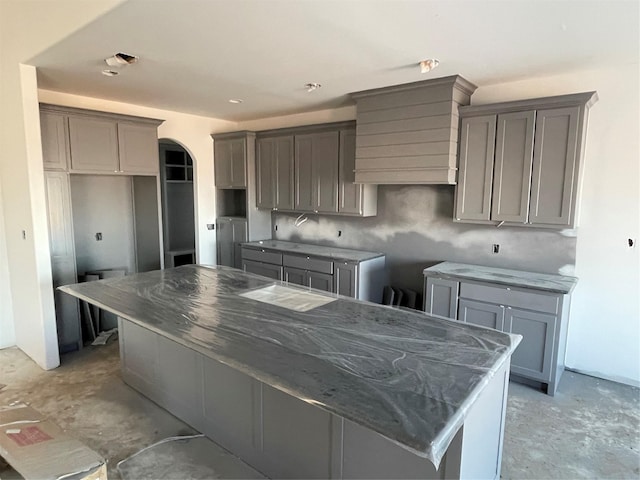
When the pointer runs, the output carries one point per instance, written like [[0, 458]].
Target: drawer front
[[262, 255], [314, 264], [508, 296]]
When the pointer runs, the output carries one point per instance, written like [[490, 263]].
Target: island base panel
[[284, 437]]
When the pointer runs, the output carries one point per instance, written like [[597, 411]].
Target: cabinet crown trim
[[575, 99], [303, 129], [458, 82], [232, 135], [81, 112]]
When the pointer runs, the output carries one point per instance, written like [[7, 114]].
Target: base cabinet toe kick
[[284, 437]]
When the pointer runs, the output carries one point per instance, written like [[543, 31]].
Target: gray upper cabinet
[[94, 145], [316, 172], [229, 162], [554, 166], [55, 144], [138, 148], [87, 141], [512, 170], [535, 165], [311, 169], [274, 170], [477, 146]]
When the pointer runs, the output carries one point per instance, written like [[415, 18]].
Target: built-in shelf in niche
[[178, 166], [232, 203]]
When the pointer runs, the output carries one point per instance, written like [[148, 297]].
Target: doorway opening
[[177, 192]]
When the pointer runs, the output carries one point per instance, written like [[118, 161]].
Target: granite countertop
[[503, 276], [403, 374], [333, 253]]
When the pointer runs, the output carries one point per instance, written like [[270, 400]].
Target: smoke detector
[[121, 59]]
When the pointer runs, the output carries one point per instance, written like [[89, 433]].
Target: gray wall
[[103, 203], [414, 228]]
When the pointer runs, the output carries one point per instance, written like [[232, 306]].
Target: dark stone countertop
[[503, 276], [333, 253], [403, 374]]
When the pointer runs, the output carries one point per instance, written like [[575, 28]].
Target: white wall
[[190, 131], [30, 27], [7, 331], [604, 330]]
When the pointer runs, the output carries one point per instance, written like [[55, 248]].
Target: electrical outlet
[[339, 233], [496, 248], [631, 242], [98, 236]]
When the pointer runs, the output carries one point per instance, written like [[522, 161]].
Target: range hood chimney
[[408, 134]]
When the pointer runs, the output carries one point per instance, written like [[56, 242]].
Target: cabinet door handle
[[308, 258], [508, 289]]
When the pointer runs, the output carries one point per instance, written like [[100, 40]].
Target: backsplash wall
[[414, 228]]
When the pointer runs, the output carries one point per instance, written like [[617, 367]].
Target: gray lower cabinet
[[363, 280], [533, 357], [480, 313], [441, 297], [265, 269], [541, 318], [232, 231], [532, 175]]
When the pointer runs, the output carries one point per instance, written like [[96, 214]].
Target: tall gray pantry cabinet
[[238, 218], [79, 148]]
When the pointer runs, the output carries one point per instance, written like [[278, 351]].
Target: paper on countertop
[[290, 298]]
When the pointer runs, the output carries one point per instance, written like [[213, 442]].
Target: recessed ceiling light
[[121, 59], [235, 100], [109, 73], [428, 65], [312, 86]]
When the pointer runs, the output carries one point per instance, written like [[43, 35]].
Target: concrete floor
[[590, 429]]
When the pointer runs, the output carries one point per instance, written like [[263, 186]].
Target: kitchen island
[[305, 384]]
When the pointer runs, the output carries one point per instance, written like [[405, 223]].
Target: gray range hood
[[408, 134]]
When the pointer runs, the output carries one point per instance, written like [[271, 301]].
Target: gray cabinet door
[[266, 171], [229, 163], [345, 279], [295, 276], [441, 297], [284, 181], [264, 269], [350, 195], [320, 281], [94, 145], [316, 170], [554, 166], [138, 148], [63, 260], [475, 170], [55, 146], [231, 233], [533, 357], [512, 171], [304, 183], [483, 314], [326, 153]]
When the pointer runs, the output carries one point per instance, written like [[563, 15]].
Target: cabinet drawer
[[262, 255], [308, 263], [513, 298]]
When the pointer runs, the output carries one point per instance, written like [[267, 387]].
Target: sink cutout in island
[[286, 297]]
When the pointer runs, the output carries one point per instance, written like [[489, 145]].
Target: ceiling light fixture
[[235, 100], [121, 59], [109, 73], [312, 86], [428, 65]]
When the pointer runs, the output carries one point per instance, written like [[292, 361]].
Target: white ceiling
[[196, 55]]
